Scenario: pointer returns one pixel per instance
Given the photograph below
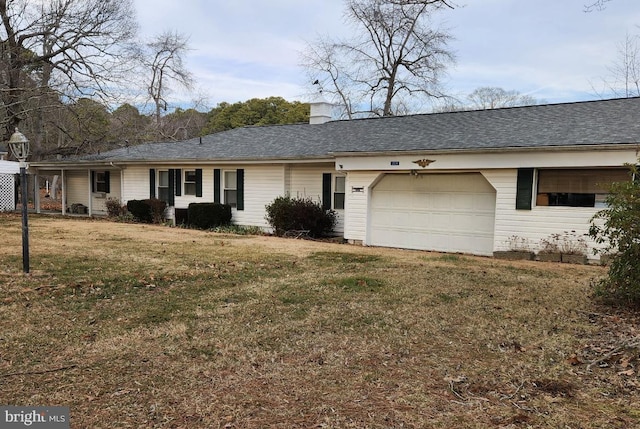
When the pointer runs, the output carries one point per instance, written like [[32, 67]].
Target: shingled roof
[[603, 122]]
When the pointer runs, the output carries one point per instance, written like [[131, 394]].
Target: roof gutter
[[122, 163], [330, 157], [570, 148]]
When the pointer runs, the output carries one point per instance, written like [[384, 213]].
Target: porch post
[[90, 209], [63, 195], [36, 187]]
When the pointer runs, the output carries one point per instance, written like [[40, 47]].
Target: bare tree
[[328, 68], [489, 97], [164, 60], [624, 73], [596, 5], [486, 97], [63, 49], [395, 56]]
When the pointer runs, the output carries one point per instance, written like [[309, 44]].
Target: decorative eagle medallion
[[424, 162]]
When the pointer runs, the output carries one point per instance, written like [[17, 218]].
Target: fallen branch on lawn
[[627, 345]]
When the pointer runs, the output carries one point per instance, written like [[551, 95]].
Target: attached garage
[[441, 212]]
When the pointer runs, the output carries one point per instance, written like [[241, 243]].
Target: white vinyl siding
[[262, 184], [536, 224], [357, 204], [306, 182], [78, 187], [136, 179]]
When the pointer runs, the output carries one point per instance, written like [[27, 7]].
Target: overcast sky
[[549, 49]]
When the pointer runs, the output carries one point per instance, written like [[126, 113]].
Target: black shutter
[[524, 189], [152, 183], [178, 182], [93, 181], [216, 185], [240, 189], [326, 191], [172, 186], [107, 182], [198, 182]]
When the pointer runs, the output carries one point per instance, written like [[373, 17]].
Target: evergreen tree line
[[88, 126]]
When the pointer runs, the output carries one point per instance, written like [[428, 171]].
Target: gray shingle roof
[[614, 121]]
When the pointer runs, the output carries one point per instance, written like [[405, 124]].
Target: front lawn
[[150, 326]]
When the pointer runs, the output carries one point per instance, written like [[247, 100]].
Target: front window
[[190, 182], [577, 187], [338, 192], [230, 188], [163, 185], [100, 184]]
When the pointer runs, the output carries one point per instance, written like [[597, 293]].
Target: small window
[[163, 185], [190, 182], [101, 182], [577, 188], [338, 193], [230, 188]]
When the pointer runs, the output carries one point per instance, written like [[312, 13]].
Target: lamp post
[[19, 146]]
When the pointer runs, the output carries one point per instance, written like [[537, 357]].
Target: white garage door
[[443, 212]]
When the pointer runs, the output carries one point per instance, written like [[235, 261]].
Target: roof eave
[[570, 148], [160, 162]]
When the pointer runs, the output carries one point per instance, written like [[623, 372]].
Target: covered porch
[[73, 190]]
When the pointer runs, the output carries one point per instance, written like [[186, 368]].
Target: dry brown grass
[[148, 326]]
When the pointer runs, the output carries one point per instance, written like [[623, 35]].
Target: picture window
[[577, 187]]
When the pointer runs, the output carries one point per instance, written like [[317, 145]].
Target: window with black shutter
[[524, 189]]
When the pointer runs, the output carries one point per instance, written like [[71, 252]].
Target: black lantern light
[[19, 146]]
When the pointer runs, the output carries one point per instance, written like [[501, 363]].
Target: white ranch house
[[453, 182]]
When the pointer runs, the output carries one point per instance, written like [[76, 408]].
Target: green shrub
[[208, 215], [299, 214], [148, 211], [618, 227]]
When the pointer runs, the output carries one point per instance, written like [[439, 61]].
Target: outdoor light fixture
[[19, 146]]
